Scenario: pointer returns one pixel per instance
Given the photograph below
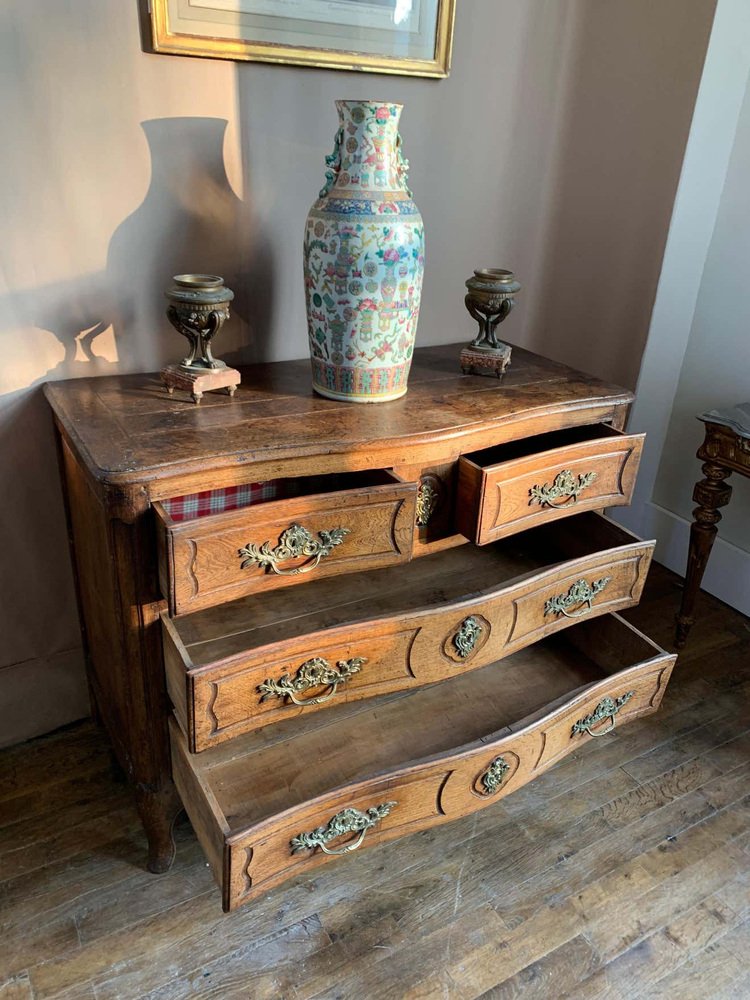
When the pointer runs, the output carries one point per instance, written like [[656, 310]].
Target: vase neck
[[369, 148]]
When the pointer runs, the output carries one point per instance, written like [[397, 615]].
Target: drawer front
[[219, 701], [214, 559], [501, 499], [424, 794]]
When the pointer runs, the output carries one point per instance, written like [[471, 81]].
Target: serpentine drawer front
[[329, 525], [246, 665], [309, 721], [280, 802], [518, 485]]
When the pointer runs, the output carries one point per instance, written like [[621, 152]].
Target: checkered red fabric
[[218, 501]]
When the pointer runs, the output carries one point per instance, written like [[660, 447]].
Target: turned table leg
[[710, 494]]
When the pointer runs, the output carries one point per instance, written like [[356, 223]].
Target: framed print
[[409, 37]]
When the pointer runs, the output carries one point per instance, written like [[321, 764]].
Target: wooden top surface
[[129, 432]]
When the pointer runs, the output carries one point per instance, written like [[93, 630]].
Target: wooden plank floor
[[623, 872]]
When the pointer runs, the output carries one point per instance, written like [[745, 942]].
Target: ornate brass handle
[[565, 485], [428, 498], [582, 592], [295, 542], [494, 775], [467, 636], [316, 672], [346, 821], [606, 709]]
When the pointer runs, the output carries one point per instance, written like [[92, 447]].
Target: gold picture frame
[[168, 39]]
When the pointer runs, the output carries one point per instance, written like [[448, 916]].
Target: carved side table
[[725, 449]]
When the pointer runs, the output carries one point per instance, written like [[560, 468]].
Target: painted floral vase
[[364, 261]]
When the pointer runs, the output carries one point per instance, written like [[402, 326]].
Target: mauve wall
[[554, 148]]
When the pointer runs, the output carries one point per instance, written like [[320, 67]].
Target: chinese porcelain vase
[[364, 261]]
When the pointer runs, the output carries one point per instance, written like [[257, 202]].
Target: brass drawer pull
[[316, 672], [582, 592], [428, 499], [468, 635], [494, 775], [606, 709], [346, 821], [564, 485], [295, 542]]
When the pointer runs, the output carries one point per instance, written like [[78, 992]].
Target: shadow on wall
[[190, 220], [100, 323]]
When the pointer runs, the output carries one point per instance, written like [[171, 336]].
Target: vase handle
[[402, 166], [333, 164]]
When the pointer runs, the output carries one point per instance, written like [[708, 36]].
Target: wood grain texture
[[120, 606], [133, 438], [440, 523], [296, 776], [404, 628], [128, 445], [493, 902], [495, 486], [201, 563]]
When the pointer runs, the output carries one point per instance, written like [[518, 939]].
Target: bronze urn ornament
[[489, 299], [198, 309]]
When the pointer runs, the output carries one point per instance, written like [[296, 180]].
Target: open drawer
[[311, 527], [280, 802], [517, 485], [259, 660]]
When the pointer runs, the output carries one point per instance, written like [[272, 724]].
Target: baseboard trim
[[727, 575]]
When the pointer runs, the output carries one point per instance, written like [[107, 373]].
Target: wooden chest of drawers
[[410, 614]]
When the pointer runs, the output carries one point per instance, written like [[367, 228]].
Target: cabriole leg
[[158, 809]]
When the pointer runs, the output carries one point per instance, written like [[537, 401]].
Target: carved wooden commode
[[322, 626]]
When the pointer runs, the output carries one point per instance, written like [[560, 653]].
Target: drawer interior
[[441, 578], [261, 774], [209, 502], [539, 443]]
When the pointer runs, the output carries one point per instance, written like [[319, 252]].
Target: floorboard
[[624, 872]]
